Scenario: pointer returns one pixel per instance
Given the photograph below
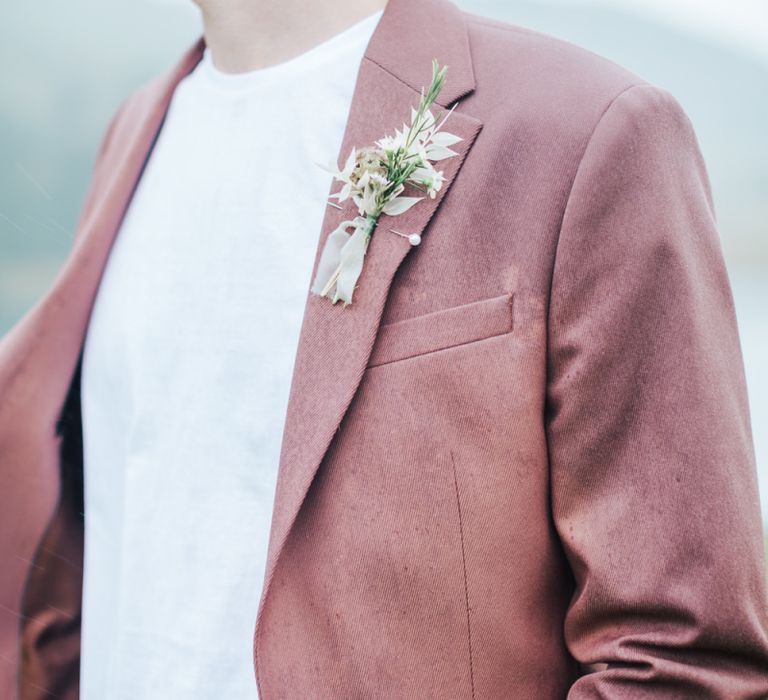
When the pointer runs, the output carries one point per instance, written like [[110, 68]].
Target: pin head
[[413, 238]]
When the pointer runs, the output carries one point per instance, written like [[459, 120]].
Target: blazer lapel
[[335, 341]]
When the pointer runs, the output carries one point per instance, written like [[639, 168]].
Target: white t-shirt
[[187, 366]]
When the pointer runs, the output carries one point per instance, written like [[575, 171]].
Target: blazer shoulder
[[556, 61], [554, 86]]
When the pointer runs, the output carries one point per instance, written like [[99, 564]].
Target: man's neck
[[246, 35]]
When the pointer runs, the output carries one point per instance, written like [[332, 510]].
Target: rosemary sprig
[[398, 167]]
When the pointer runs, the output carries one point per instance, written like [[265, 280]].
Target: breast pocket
[[442, 329]]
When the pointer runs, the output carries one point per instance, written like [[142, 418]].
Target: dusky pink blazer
[[519, 465]]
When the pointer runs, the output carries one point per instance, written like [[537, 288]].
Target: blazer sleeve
[[653, 478]]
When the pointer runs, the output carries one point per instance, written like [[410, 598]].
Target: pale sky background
[[742, 23]]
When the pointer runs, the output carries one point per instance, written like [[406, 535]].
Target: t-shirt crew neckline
[[313, 58]]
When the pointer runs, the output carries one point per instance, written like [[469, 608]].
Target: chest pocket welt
[[445, 328]]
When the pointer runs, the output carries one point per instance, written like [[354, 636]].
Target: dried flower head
[[369, 160]]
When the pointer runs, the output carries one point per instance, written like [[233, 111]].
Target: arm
[[654, 485]]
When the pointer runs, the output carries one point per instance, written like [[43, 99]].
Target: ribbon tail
[[351, 264], [330, 258]]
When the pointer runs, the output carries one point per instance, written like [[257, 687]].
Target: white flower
[[392, 143], [344, 175], [427, 176]]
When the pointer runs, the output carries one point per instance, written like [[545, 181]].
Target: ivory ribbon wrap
[[342, 260]]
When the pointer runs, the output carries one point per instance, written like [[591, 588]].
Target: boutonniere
[[375, 177]]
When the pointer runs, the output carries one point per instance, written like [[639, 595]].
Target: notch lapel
[[335, 342]]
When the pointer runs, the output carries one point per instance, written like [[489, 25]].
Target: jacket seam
[[567, 204], [482, 21], [387, 70], [548, 315], [407, 84], [578, 171], [444, 347], [464, 569]]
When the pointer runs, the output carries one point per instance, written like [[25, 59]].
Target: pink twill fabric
[[519, 465]]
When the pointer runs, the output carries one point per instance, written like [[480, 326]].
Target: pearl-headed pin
[[413, 238]]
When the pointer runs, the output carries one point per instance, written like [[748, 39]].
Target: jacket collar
[[411, 33]]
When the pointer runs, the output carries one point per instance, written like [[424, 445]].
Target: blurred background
[[64, 68]]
